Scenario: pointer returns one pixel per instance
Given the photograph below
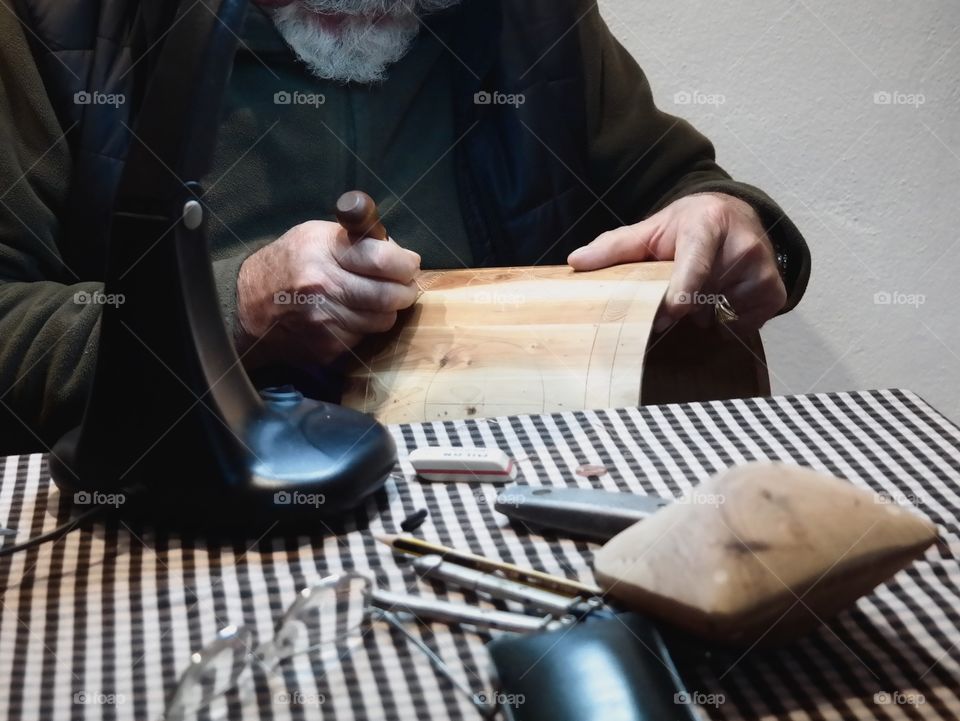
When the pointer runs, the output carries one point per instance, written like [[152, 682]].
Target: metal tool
[[588, 512], [430, 609], [496, 586]]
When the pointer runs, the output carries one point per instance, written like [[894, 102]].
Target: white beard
[[374, 35]]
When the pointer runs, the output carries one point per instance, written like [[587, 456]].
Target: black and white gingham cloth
[[100, 624]]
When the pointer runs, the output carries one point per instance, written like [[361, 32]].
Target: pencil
[[538, 579]]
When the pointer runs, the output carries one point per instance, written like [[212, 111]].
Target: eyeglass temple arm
[[486, 708]]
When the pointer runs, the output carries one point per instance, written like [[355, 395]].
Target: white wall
[[874, 187]]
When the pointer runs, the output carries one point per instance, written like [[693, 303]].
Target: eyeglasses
[[328, 618]]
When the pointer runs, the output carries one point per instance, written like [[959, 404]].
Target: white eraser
[[446, 463]]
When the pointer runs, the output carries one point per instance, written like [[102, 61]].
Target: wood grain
[[496, 341]]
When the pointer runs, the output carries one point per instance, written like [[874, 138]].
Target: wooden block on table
[[763, 552]]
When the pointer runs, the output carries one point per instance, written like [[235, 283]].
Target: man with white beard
[[491, 132], [351, 41]]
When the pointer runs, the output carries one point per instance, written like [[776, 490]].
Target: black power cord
[[56, 533]]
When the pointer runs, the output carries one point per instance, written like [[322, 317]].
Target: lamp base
[[301, 466]]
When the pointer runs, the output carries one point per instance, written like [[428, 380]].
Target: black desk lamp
[[172, 420]]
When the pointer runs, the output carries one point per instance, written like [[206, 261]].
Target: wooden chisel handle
[[357, 213]]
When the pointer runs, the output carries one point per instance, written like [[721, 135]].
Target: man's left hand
[[720, 248]]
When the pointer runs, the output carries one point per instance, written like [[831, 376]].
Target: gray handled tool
[[429, 609], [585, 512], [433, 566]]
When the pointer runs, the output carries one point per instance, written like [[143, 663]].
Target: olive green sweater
[[278, 165]]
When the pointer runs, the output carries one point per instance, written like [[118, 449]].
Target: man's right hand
[[312, 294]]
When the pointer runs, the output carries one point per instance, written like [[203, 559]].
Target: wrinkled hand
[[719, 246], [312, 294]]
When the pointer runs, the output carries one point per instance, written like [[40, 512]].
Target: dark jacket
[[525, 174]]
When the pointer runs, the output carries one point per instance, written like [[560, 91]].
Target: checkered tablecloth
[[101, 623]]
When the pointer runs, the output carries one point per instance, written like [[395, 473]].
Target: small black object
[[414, 520], [172, 418]]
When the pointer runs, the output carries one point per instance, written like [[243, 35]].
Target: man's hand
[[719, 246], [311, 295]]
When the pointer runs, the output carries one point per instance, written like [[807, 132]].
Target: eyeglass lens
[[212, 672], [323, 618]]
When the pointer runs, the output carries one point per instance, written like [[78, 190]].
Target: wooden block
[[498, 341], [730, 561]]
